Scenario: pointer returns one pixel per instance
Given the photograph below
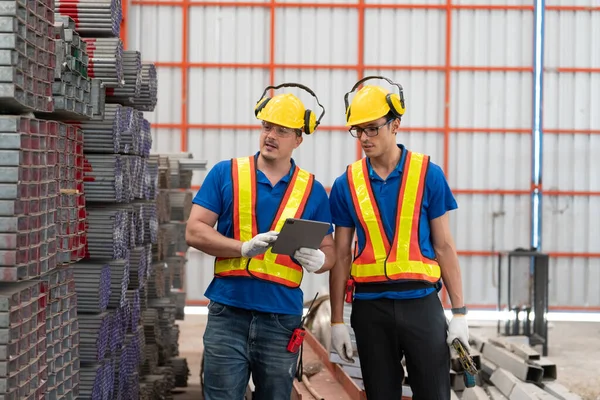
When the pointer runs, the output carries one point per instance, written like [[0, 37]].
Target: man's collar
[[286, 178], [399, 166]]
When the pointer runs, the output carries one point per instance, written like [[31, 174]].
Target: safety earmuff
[[310, 120], [394, 101]]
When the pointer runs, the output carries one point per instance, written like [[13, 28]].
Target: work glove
[[459, 328], [312, 260], [259, 244], [341, 343]]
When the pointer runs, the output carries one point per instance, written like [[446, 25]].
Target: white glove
[[458, 328], [341, 343], [259, 244], [312, 260]]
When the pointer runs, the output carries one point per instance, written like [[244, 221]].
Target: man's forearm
[[208, 240], [338, 277], [451, 275]]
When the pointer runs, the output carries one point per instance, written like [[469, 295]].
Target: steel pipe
[[106, 60], [132, 68], [95, 18]]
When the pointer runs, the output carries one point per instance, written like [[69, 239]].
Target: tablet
[[297, 233]]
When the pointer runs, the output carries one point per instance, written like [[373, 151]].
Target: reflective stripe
[[268, 266], [402, 259]]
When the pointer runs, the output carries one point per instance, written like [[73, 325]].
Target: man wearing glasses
[[255, 296], [397, 201]]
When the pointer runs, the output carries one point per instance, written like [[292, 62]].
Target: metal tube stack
[[132, 89], [26, 76], [106, 60], [95, 18]]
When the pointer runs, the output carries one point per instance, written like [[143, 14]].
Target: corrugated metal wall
[[475, 107]]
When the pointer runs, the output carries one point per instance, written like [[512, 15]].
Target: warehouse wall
[[472, 111]]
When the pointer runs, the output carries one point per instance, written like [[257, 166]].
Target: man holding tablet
[[398, 202], [255, 298]]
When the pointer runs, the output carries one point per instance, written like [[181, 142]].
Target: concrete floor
[[574, 347]]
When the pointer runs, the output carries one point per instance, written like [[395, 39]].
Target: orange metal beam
[[184, 76], [360, 67], [256, 4]]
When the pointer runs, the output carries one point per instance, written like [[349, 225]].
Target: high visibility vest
[[276, 268], [401, 259]]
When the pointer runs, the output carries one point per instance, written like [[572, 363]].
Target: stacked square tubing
[[73, 267]]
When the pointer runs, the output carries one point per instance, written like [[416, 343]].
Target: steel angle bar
[[181, 370], [94, 336], [156, 281], [96, 381], [181, 204], [132, 74], [152, 179], [133, 299], [147, 98], [105, 136], [93, 286], [106, 60], [98, 18], [108, 233], [138, 266], [146, 133]]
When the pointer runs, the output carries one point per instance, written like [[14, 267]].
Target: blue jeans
[[238, 342]]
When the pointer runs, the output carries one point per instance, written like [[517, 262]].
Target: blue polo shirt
[[437, 200], [215, 194]]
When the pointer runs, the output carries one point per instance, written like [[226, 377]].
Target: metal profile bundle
[[108, 233], [119, 281], [133, 299], [22, 340], [168, 381], [105, 136], [163, 206], [62, 331], [182, 166], [164, 170], [27, 56], [72, 87], [28, 197], [177, 271], [138, 267], [152, 178], [174, 341], [71, 216], [181, 371], [106, 60], [94, 18], [181, 204], [107, 178], [96, 381], [179, 298], [132, 68], [147, 98], [93, 286], [150, 221], [156, 282], [94, 336], [166, 320]]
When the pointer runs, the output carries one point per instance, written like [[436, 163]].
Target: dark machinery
[[523, 295]]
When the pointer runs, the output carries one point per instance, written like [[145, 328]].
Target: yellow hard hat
[[373, 102], [287, 110], [284, 109]]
